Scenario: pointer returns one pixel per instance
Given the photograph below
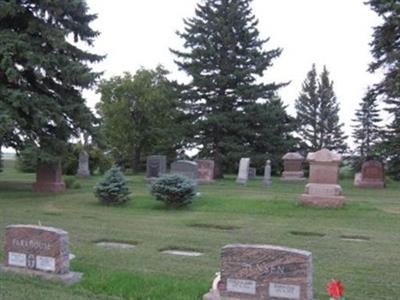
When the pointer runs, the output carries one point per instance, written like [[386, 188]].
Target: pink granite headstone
[[48, 178], [206, 170], [371, 175], [323, 189], [263, 272], [37, 248], [293, 167]]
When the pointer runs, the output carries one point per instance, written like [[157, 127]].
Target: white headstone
[[243, 174], [267, 174]]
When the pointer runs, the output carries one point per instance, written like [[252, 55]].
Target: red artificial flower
[[335, 288]]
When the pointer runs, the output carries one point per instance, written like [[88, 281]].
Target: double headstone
[[206, 170], [371, 175], [156, 165], [323, 189], [83, 168], [243, 173], [263, 272], [185, 167], [38, 250], [293, 167], [48, 178]]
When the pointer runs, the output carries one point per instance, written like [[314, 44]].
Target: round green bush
[[174, 190], [112, 188]]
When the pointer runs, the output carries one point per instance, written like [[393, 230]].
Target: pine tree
[[331, 133], [367, 131], [225, 59], [42, 72], [386, 53], [307, 108], [318, 114]]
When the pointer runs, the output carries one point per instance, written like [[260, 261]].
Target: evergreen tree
[[42, 72], [332, 136], [225, 59], [366, 131], [318, 114], [307, 108], [386, 53]]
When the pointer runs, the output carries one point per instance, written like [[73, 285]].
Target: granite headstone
[[186, 168], [83, 168], [48, 178], [371, 175], [206, 170], [243, 173]]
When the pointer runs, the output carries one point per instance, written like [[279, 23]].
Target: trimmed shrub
[[174, 190], [112, 188]]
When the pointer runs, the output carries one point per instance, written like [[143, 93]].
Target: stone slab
[[206, 170], [48, 179], [243, 173], [186, 168], [322, 201], [182, 253], [83, 168], [68, 278], [156, 165]]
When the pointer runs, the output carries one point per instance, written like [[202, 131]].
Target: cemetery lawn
[[368, 263]]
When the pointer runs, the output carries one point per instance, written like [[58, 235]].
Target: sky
[[335, 33]]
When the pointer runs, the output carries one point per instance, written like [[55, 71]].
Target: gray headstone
[[252, 173], [243, 174], [186, 168], [83, 169], [156, 166], [267, 174]]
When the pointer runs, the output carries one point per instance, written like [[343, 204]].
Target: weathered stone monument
[[83, 169], [267, 182], [371, 175], [38, 250], [243, 174], [48, 178], [323, 188], [293, 167], [263, 272], [156, 165], [185, 167], [252, 173], [206, 170]]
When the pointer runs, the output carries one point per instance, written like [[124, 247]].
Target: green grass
[[224, 213]]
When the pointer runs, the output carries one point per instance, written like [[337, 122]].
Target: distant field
[[224, 213]]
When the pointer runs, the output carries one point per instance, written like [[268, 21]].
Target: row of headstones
[[247, 271], [371, 175]]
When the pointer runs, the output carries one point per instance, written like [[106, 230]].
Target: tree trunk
[[218, 172], [135, 165]]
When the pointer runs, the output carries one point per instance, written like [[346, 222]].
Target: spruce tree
[[331, 133], [307, 108], [386, 53], [318, 114], [367, 131], [225, 59], [43, 72]]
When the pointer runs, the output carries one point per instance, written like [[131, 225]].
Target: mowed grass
[[224, 213]]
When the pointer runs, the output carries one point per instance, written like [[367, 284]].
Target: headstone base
[[375, 184], [322, 201], [48, 187], [68, 278], [293, 177], [241, 181], [83, 174]]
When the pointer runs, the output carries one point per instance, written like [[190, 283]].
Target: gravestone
[[267, 182], [156, 165], [252, 173], [206, 170], [293, 167], [371, 175], [38, 250], [186, 168], [243, 174], [48, 178], [83, 169], [263, 272], [323, 189]]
